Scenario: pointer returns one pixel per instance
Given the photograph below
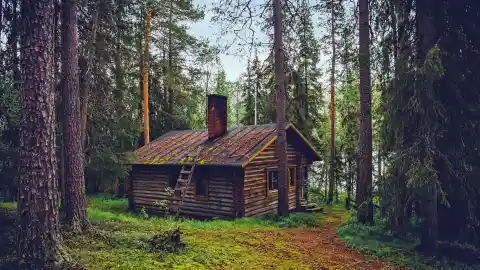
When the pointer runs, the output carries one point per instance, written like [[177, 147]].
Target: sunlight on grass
[[8, 206], [118, 240]]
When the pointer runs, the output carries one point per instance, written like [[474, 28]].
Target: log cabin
[[235, 171]]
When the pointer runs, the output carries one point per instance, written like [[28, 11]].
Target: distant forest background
[[424, 84]]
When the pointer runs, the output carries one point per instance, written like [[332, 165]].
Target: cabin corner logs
[[231, 191]]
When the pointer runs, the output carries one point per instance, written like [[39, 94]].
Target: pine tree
[[281, 142], [364, 191], [38, 242], [75, 202]]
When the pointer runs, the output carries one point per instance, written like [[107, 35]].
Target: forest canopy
[[387, 90]]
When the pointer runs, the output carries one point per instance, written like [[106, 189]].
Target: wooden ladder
[[183, 182]]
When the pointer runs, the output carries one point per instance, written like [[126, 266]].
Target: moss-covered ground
[[118, 239]]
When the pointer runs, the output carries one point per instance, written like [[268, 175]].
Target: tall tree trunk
[[13, 43], [85, 89], [59, 104], [364, 202], [331, 183], [119, 81], [12, 40], [76, 216], [349, 183], [38, 242], [170, 67], [281, 142], [1, 16], [326, 181]]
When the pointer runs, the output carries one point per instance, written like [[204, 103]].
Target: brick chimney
[[217, 116]]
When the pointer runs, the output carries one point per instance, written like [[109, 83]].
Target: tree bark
[[331, 181], [364, 201], [281, 142], [13, 43], [170, 120], [325, 173], [85, 89], [119, 80], [76, 216], [348, 198], [38, 242]]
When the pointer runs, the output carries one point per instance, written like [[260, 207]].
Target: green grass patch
[[8, 206], [122, 240], [380, 243]]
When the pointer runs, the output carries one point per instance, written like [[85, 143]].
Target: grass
[[118, 240], [382, 244]]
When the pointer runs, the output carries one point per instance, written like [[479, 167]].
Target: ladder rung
[[185, 172], [183, 181]]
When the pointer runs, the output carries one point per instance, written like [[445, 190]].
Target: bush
[[166, 241], [381, 243]]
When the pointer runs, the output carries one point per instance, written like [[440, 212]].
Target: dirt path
[[325, 251], [321, 248]]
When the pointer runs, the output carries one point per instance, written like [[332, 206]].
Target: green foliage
[[123, 240], [9, 118], [381, 243], [167, 241]]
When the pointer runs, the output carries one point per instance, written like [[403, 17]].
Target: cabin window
[[201, 185], [172, 181], [272, 180], [292, 177]]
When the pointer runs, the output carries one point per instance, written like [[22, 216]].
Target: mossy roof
[[236, 147]]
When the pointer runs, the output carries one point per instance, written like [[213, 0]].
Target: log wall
[[149, 183], [258, 200]]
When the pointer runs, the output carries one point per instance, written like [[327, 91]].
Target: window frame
[[290, 186], [172, 181], [204, 179], [268, 171]]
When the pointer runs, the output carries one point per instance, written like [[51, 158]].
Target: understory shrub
[[379, 242], [166, 241]]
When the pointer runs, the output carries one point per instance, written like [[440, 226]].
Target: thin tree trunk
[[13, 43], [1, 16], [170, 66], [332, 113], [326, 170], [281, 142], [85, 89], [76, 216], [349, 184], [39, 240], [337, 181], [12, 40], [365, 207], [119, 81]]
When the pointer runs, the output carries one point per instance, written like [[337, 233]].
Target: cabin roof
[[237, 147]]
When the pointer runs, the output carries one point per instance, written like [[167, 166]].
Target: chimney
[[217, 116]]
